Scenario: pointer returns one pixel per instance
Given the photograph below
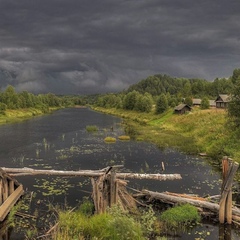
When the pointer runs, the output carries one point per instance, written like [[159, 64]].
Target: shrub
[[3, 107], [86, 208], [92, 128]]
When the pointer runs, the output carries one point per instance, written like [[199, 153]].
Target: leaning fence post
[[225, 205]]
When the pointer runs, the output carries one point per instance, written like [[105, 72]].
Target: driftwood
[[175, 198], [89, 173]]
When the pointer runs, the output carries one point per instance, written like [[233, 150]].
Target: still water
[[60, 141]]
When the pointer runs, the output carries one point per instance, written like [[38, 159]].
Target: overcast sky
[[95, 46]]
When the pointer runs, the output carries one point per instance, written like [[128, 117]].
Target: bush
[[3, 107]]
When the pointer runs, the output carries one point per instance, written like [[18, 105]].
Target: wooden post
[[5, 189], [225, 204], [112, 186], [1, 191], [11, 186]]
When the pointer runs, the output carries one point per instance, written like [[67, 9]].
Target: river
[[60, 141]]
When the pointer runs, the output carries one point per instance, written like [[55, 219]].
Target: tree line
[[10, 99], [159, 92]]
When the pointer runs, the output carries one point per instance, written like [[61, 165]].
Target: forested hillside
[[159, 92], [158, 84]]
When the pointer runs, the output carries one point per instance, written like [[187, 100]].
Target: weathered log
[[89, 173], [169, 198], [229, 170]]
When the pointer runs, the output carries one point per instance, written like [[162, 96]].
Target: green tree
[[162, 104], [9, 97], [187, 89], [144, 103], [205, 103], [234, 104], [130, 100], [188, 101]]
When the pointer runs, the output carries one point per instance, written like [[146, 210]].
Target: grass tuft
[[110, 139], [91, 128], [180, 216], [124, 138]]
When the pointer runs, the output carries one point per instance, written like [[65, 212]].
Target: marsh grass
[[110, 139], [124, 138], [199, 131], [179, 217], [91, 128], [109, 225]]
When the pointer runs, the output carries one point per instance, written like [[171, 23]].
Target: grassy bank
[[12, 115], [200, 131]]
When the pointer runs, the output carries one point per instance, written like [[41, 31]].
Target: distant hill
[[158, 84]]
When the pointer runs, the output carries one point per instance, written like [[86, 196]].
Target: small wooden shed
[[222, 101], [182, 108]]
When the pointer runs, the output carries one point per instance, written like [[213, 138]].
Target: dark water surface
[[60, 141]]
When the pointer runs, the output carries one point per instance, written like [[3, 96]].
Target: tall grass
[[108, 226]]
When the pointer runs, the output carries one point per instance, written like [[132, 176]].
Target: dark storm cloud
[[91, 46]]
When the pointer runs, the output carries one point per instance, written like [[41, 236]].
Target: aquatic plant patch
[[124, 138], [110, 139], [91, 128]]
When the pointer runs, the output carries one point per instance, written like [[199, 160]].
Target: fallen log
[[89, 173], [173, 199]]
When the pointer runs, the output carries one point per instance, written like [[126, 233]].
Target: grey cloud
[[81, 46]]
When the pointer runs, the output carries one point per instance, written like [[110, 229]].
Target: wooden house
[[222, 101], [196, 102], [212, 103], [182, 108]]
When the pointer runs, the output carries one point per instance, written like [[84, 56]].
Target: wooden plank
[[9, 202]]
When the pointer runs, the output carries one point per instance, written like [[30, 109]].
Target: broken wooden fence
[[109, 186], [10, 192]]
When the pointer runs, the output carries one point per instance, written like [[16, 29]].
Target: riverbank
[[200, 131], [16, 115]]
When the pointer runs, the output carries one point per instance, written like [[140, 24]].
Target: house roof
[[181, 106], [222, 98], [196, 101]]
